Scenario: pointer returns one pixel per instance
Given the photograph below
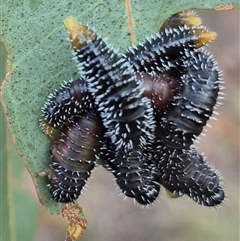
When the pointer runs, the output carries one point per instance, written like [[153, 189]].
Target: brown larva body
[[74, 156], [160, 88]]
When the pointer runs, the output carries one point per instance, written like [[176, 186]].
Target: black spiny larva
[[187, 172], [168, 56], [126, 114], [69, 101], [162, 51], [73, 156], [111, 81], [192, 107], [139, 181], [173, 58], [140, 112], [196, 81]]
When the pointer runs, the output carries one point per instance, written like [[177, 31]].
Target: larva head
[[204, 37], [188, 18], [49, 130], [191, 20], [80, 35]]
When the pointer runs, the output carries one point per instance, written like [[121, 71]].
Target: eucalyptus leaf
[[40, 59]]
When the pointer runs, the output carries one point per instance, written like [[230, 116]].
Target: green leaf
[[41, 59]]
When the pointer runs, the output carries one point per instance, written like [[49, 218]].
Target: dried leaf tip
[[79, 34], [73, 213]]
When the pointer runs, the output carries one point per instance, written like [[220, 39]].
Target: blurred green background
[[108, 216], [18, 209]]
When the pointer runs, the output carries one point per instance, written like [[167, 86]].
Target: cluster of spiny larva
[[139, 112]]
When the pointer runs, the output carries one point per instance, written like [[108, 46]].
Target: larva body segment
[[126, 114], [71, 100], [131, 176], [187, 172], [201, 82], [192, 107], [73, 156], [136, 180], [162, 51], [159, 88]]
